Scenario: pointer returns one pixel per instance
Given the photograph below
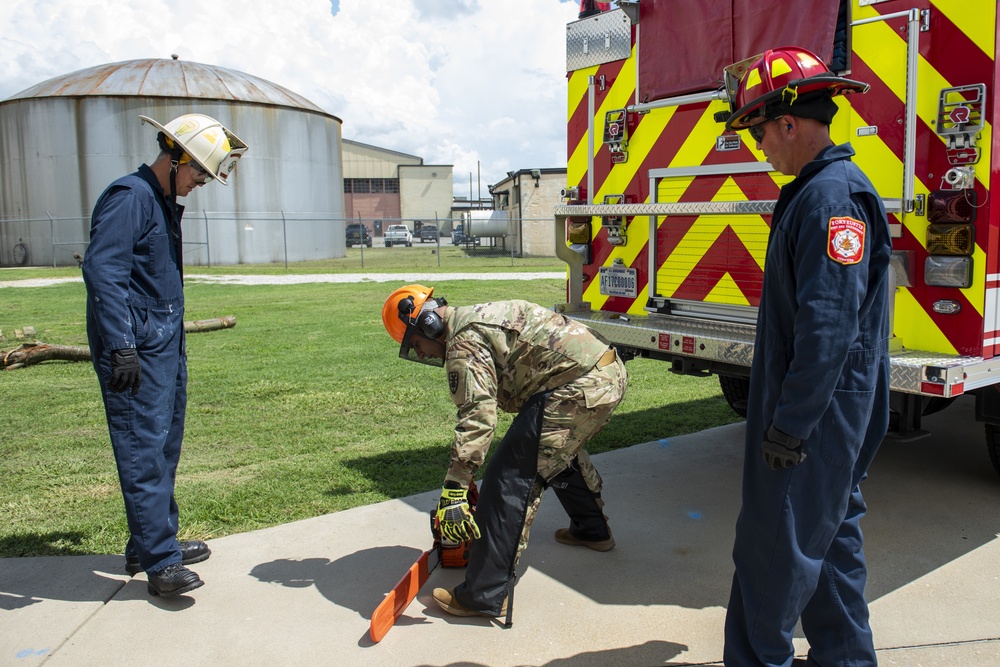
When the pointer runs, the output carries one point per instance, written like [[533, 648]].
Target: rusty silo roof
[[163, 77]]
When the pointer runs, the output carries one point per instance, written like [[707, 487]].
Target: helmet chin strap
[[175, 156], [174, 164]]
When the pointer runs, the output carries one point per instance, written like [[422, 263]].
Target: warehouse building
[[384, 187], [528, 197]]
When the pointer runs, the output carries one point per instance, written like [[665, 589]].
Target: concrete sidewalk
[[303, 593]]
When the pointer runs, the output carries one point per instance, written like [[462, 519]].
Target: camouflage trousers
[[574, 413]]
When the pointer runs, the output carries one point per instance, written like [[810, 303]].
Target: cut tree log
[[214, 324], [28, 354]]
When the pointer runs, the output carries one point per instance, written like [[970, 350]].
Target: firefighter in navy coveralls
[[819, 383], [561, 380], [135, 325]]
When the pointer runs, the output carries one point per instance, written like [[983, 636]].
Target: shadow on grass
[[405, 472], [56, 543], [400, 473]]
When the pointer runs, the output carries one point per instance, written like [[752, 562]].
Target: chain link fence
[[310, 241]]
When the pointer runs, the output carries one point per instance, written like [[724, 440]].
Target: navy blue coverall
[[820, 372], [133, 273]]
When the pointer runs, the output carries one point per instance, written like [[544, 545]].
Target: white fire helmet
[[204, 140]]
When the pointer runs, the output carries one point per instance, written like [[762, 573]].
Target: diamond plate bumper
[[911, 371]]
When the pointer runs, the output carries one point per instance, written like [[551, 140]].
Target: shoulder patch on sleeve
[[846, 240]]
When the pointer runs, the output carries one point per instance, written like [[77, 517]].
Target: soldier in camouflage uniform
[[560, 379]]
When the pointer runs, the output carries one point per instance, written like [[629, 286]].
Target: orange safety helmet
[[408, 313], [781, 77], [396, 322]]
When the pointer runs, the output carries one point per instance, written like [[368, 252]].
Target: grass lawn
[[302, 409]]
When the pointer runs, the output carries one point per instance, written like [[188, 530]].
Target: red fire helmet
[[783, 75]]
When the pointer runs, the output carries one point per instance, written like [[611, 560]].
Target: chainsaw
[[443, 552]]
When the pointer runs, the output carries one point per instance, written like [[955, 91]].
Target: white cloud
[[462, 82]]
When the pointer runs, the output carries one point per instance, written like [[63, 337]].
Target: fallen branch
[[227, 322], [28, 354]]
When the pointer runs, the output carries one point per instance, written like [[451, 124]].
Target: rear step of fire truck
[[699, 338]]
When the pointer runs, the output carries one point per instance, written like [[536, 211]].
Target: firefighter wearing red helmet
[[819, 380], [788, 80], [560, 379]]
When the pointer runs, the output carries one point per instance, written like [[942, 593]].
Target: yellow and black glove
[[454, 516]]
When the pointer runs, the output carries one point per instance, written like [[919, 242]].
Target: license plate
[[619, 281]]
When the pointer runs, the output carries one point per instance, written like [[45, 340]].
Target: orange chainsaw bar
[[402, 594]]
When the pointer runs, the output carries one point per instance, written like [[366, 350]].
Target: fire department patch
[[846, 240], [453, 381]]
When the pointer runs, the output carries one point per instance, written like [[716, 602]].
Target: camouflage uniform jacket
[[498, 356]]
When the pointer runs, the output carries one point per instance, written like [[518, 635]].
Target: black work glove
[[781, 450], [125, 370]]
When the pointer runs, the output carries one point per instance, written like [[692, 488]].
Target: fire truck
[[666, 214]]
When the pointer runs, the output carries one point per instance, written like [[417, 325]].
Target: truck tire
[[993, 445], [388, 244], [736, 390]]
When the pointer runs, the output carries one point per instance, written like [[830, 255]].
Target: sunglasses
[[757, 131]]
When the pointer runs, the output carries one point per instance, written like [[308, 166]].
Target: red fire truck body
[[667, 214]]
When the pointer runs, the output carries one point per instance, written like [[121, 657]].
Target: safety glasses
[[200, 175], [757, 131]]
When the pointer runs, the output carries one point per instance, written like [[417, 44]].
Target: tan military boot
[[446, 600], [563, 536]]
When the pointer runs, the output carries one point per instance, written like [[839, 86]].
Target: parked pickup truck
[[358, 235], [398, 235], [429, 233]]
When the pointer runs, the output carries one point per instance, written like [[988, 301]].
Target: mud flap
[[503, 505]]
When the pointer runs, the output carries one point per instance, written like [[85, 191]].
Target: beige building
[[384, 187], [529, 198]]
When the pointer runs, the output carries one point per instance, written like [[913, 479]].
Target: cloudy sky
[[479, 84]]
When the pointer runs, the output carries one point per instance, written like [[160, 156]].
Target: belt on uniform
[[607, 358]]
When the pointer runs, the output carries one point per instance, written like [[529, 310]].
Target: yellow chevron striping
[[701, 141], [885, 53], [889, 64], [920, 331], [618, 97], [576, 164], [980, 29], [577, 87], [622, 89], [638, 306], [727, 291], [977, 293]]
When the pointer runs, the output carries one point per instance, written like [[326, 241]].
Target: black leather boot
[[173, 580], [192, 551]]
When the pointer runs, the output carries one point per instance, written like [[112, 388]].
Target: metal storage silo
[[64, 140]]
